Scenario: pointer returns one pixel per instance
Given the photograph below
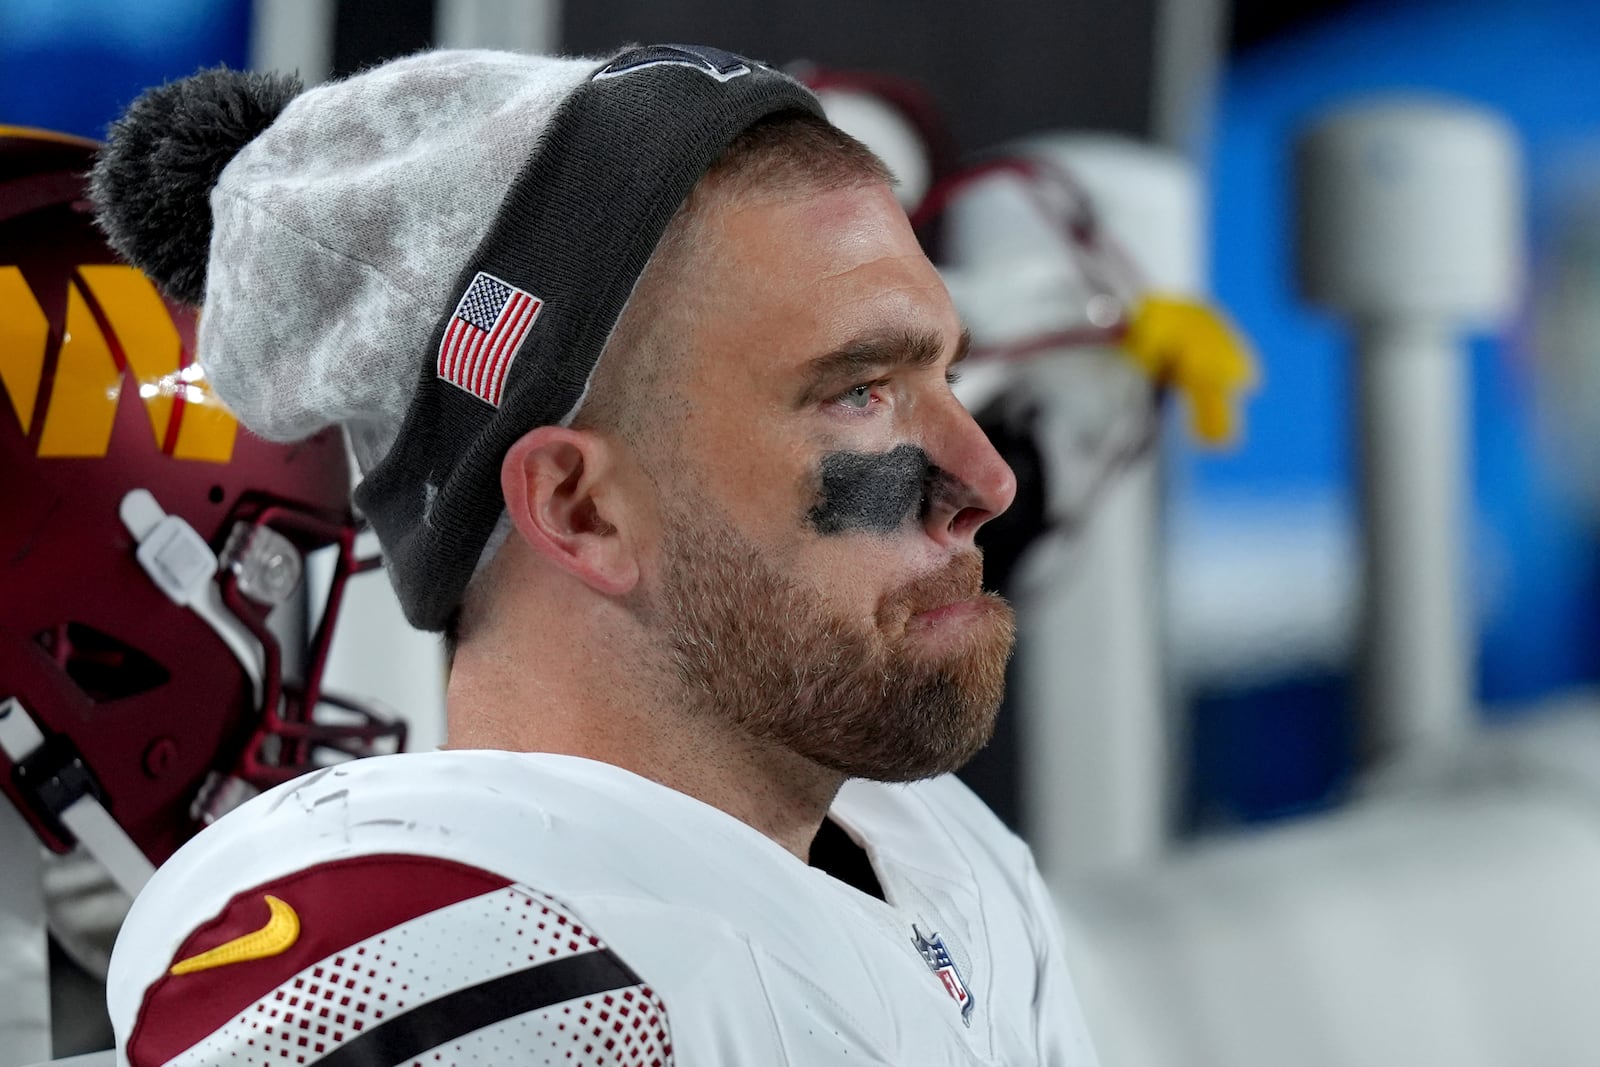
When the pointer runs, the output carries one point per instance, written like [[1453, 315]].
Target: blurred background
[[1304, 728]]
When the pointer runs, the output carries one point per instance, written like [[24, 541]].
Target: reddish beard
[[868, 701]]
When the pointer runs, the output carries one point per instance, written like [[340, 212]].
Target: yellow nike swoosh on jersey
[[282, 931]]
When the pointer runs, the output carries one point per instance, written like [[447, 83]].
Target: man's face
[[817, 578]]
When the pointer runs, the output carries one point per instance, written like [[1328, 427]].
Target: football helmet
[[145, 539]]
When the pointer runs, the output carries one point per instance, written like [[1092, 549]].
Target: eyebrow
[[911, 348]]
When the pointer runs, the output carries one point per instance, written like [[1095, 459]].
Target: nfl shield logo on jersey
[[939, 962]]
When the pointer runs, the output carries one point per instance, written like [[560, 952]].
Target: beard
[[866, 700]]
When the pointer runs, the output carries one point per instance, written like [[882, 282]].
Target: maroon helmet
[[145, 539]]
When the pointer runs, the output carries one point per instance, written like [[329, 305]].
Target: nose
[[972, 484]]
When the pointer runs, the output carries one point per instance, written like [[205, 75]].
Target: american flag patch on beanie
[[482, 338]]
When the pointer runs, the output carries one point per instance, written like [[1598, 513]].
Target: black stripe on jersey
[[457, 1014]]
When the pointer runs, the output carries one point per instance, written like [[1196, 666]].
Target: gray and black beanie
[[431, 253]]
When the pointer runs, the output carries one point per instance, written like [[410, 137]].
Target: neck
[[643, 723]]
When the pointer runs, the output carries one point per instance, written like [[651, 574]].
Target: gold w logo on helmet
[[117, 330]]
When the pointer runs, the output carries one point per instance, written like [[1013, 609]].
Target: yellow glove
[[1182, 342]]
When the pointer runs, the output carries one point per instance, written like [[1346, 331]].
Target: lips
[[934, 616], [954, 588]]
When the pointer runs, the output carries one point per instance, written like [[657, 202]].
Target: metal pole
[[1410, 220], [520, 25], [1416, 659], [293, 36]]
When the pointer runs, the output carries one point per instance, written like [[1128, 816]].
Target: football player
[[650, 385]]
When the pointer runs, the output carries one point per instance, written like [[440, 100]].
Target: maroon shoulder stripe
[[338, 904]]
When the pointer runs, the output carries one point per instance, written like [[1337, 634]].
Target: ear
[[562, 494]]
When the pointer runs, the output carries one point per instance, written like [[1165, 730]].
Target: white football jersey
[[493, 908]]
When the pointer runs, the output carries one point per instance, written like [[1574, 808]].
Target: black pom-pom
[[152, 182]]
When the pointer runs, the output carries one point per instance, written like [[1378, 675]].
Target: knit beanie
[[431, 253]]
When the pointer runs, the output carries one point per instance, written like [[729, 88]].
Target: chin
[[939, 697]]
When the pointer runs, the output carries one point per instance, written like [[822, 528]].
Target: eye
[[951, 377], [863, 397], [859, 397]]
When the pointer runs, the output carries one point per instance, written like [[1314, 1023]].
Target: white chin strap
[[84, 817], [182, 565]]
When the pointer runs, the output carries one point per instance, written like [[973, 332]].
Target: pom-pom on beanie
[[431, 253]]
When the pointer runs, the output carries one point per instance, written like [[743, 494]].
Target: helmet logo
[[116, 327]]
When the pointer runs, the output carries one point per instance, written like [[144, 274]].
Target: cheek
[[848, 582], [752, 479]]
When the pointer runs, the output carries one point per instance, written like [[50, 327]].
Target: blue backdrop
[[72, 66], [1537, 63]]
